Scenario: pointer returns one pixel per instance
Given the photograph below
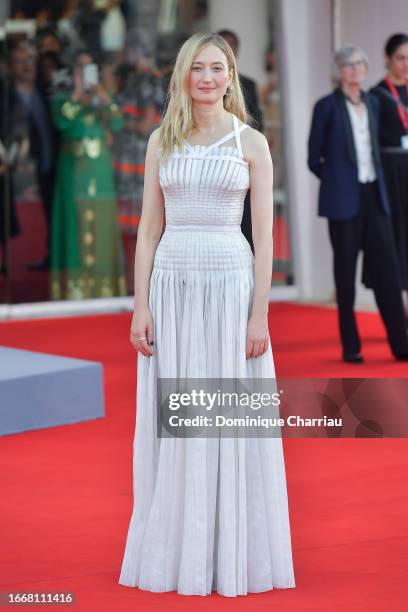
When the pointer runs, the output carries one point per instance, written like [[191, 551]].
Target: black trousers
[[46, 182], [371, 231], [246, 224]]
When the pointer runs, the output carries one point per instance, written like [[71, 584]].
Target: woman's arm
[[261, 185], [148, 237]]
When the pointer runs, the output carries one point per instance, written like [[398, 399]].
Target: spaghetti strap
[[237, 130]]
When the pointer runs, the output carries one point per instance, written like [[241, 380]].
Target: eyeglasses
[[353, 64]]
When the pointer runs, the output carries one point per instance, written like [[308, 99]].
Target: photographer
[[23, 87], [86, 254]]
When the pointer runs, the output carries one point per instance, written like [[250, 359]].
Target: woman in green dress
[[86, 252]]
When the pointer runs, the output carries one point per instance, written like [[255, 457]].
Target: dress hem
[[213, 591]]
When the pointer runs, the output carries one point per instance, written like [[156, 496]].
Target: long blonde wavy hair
[[178, 118]]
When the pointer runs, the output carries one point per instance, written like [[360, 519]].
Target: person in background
[[343, 153], [13, 144], [248, 85], [49, 64], [86, 255], [140, 98], [88, 20], [392, 94], [23, 64], [250, 94], [199, 16], [48, 41]]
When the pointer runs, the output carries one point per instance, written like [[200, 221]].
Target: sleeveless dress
[[209, 514]]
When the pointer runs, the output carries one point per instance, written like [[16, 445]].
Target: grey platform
[[38, 390]]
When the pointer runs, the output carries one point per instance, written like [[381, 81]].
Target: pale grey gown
[[209, 514]]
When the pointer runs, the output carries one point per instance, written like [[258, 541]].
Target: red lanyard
[[402, 113]]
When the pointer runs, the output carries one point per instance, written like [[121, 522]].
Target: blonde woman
[[210, 513]]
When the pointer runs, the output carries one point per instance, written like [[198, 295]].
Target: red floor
[[66, 492], [30, 246]]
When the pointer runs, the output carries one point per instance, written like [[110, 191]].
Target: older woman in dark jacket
[[344, 155]]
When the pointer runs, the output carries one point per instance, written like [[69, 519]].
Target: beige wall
[[305, 43]]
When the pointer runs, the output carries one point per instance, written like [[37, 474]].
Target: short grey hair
[[342, 56]]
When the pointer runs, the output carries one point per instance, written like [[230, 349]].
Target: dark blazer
[[332, 156], [36, 149], [249, 92]]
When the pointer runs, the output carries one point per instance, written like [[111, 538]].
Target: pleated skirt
[[209, 514]]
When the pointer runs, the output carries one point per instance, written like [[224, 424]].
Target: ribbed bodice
[[204, 190], [203, 187]]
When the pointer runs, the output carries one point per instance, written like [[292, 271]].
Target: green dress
[[86, 251]]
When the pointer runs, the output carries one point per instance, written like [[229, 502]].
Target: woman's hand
[[257, 336], [78, 91], [102, 93], [142, 327]]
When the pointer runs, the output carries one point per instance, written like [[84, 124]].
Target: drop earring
[[229, 90]]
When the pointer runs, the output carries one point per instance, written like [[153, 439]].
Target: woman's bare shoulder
[[253, 143], [153, 145], [154, 138]]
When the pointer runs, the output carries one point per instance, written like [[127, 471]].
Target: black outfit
[[46, 180], [88, 23], [45, 172], [395, 164], [333, 158], [11, 131], [250, 94], [371, 232], [248, 87]]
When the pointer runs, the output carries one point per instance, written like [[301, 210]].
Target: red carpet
[[67, 498], [29, 246]]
